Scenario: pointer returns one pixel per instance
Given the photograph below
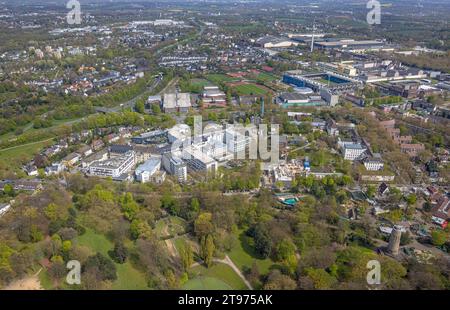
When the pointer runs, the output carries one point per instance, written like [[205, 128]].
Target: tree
[[171, 279], [102, 266], [6, 271], [254, 274], [263, 243], [57, 270], [427, 206], [278, 281], [320, 278], [203, 225], [8, 189], [371, 190], [129, 206], [140, 229], [285, 252], [56, 212], [67, 245], [140, 106], [438, 237], [395, 194], [156, 109], [207, 249], [169, 203], [119, 254], [411, 199], [187, 256], [195, 205]]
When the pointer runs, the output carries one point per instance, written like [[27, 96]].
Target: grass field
[[45, 280], [243, 255], [266, 77], [326, 82], [15, 156], [96, 242], [220, 78], [200, 82], [250, 89], [217, 277], [206, 283], [128, 277]]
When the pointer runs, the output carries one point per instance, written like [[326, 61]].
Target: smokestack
[[394, 241], [262, 106]]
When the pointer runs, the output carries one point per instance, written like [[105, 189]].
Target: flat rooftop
[[349, 43]]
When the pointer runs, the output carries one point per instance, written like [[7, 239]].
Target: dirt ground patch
[[27, 284], [30, 283]]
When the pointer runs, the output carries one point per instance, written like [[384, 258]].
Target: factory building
[[176, 102], [274, 42], [350, 45]]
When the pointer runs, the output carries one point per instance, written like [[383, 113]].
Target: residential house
[[71, 159]]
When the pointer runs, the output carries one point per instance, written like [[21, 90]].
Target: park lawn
[[45, 280], [218, 276], [22, 153], [128, 277], [96, 242], [206, 283], [250, 89], [243, 254], [220, 78]]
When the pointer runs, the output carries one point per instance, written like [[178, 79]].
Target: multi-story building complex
[[197, 160], [145, 171], [115, 166], [236, 141], [351, 150], [175, 166]]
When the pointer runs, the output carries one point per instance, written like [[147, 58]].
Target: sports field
[[251, 89], [220, 78]]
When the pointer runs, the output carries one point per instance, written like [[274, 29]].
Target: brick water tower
[[394, 240]]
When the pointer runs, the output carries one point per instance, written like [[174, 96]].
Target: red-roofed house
[[441, 212]]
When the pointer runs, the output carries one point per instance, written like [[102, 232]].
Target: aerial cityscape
[[224, 145]]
